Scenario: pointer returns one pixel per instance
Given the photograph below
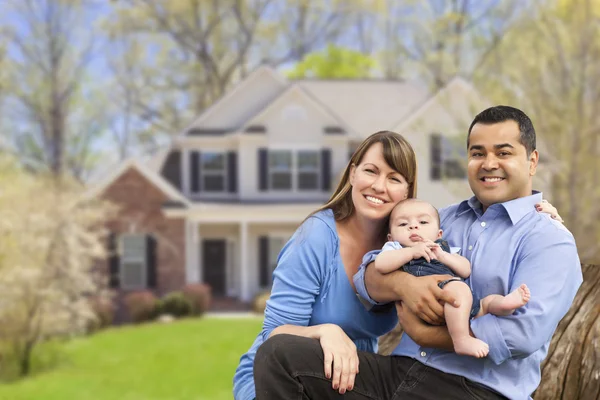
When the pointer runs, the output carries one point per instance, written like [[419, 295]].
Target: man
[[508, 243]]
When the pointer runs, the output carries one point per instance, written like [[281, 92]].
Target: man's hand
[[425, 299], [422, 334]]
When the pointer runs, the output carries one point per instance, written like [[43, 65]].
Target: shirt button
[[470, 247], [423, 354], [483, 223]]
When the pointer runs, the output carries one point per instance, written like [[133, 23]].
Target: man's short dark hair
[[497, 114]]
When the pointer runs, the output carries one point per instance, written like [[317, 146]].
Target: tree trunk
[[571, 369]]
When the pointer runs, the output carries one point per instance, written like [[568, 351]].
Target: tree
[[559, 87], [334, 62], [49, 242], [50, 48]]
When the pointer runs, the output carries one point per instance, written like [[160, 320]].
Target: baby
[[415, 245]]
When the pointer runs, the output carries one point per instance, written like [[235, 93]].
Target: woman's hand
[[340, 352], [548, 208], [425, 299]]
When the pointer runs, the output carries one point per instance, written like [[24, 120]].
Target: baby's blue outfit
[[311, 287], [422, 267]]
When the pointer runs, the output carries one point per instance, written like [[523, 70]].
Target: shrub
[[260, 302], [176, 304], [142, 306], [104, 311], [199, 295]]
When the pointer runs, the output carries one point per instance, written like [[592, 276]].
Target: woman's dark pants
[[291, 367]]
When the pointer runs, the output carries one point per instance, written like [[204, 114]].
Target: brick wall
[[139, 203]]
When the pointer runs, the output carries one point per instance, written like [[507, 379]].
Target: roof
[[153, 177], [367, 106]]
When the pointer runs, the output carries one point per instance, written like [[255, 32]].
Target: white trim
[[151, 176], [192, 252], [245, 275], [230, 93]]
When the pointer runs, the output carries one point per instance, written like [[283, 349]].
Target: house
[[236, 183]]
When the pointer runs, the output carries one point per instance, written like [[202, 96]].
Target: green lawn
[[192, 359]]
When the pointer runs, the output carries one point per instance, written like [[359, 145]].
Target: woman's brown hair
[[397, 153]]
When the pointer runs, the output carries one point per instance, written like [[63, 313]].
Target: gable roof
[[154, 178], [263, 70], [319, 106], [367, 106]]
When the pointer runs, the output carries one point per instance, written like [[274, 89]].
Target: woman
[[313, 294]]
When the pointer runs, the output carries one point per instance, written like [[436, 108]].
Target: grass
[[189, 359]]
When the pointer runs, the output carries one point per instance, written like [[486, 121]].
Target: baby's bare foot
[[518, 298], [470, 346]]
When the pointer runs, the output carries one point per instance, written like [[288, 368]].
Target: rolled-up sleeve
[[552, 272], [360, 285]]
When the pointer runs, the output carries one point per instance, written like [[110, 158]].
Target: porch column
[[192, 249], [244, 264]]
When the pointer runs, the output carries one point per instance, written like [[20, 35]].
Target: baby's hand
[[423, 250], [438, 252]]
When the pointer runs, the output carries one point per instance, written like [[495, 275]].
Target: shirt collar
[[516, 209]]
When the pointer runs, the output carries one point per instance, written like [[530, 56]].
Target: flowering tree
[[50, 237]]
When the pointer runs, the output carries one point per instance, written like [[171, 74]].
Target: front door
[[213, 262]]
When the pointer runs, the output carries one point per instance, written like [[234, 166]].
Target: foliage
[[334, 62], [175, 304], [51, 237], [104, 311], [199, 295], [142, 306], [188, 359], [260, 302]]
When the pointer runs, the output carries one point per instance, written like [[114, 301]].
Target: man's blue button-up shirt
[[510, 244]]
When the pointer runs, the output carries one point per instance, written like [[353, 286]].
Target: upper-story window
[[308, 170], [213, 172], [448, 156], [294, 170], [280, 169]]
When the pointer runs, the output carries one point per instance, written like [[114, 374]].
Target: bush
[[104, 311], [142, 306], [199, 295], [260, 302], [176, 304]]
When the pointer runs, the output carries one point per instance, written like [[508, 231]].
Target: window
[[448, 155], [280, 170], [213, 172], [308, 170], [294, 170], [133, 266]]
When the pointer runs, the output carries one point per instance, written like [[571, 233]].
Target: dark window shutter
[[113, 261], [171, 169], [232, 172], [263, 178], [195, 171], [263, 259], [151, 261], [326, 170], [435, 145]]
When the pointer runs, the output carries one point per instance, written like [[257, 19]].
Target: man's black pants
[[291, 367]]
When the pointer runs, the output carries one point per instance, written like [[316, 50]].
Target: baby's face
[[412, 222]]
